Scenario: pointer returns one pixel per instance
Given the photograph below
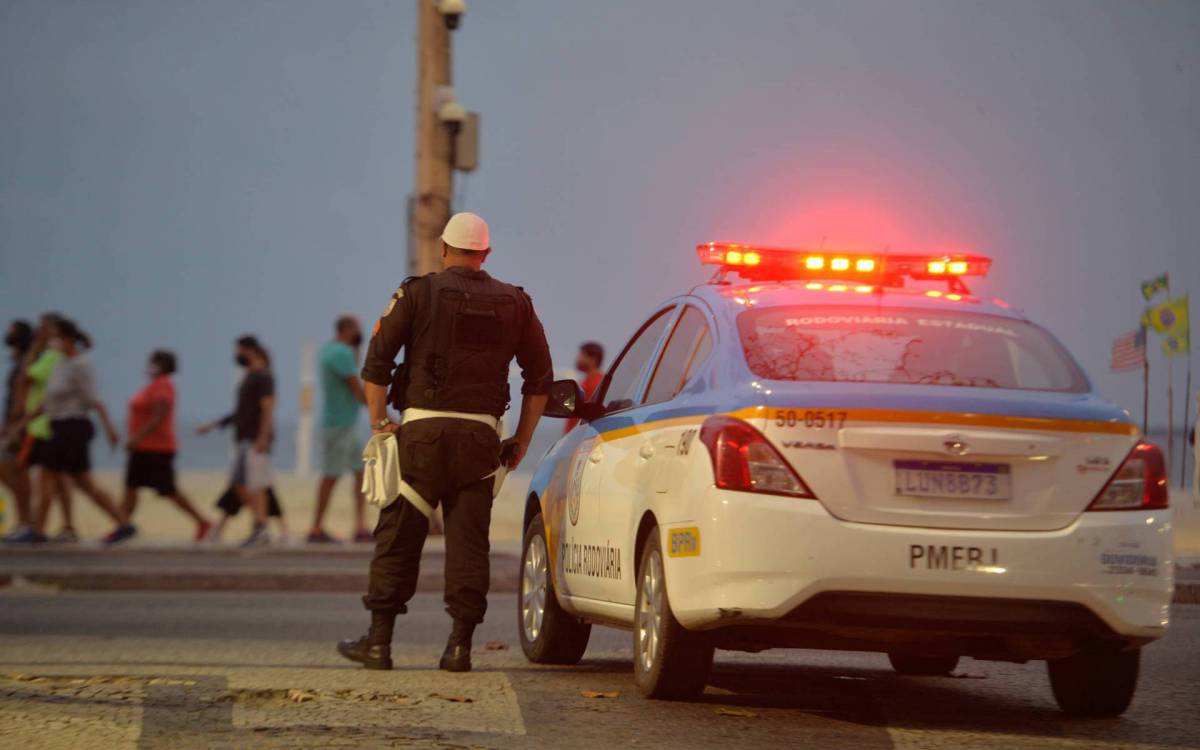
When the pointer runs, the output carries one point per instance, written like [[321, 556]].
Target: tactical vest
[[465, 334]]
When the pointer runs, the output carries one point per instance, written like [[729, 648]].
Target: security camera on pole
[[447, 135]]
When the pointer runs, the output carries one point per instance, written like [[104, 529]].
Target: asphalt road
[[147, 670]]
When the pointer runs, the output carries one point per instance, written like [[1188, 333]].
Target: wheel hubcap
[[650, 612], [533, 588]]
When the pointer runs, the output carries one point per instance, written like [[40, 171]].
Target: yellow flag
[[1173, 345], [1170, 318]]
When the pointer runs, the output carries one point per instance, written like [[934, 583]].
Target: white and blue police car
[[849, 451]]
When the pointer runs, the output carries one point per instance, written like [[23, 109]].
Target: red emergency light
[[779, 264]]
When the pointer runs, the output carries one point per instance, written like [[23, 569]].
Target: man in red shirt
[[588, 361], [152, 442]]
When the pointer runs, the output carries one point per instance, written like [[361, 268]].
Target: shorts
[[230, 505], [153, 470], [341, 451], [67, 449], [251, 469], [34, 452]]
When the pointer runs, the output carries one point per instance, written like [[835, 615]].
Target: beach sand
[[160, 522]]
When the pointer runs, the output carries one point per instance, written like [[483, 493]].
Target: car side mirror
[[566, 401]]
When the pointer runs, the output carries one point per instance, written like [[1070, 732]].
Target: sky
[[176, 173]]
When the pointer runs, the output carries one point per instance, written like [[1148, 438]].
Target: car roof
[[722, 296]]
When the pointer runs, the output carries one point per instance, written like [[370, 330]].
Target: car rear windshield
[[874, 345]]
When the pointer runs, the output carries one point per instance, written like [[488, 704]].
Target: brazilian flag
[[1151, 287], [1170, 319]]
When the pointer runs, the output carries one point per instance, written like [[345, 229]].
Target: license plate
[[976, 481]]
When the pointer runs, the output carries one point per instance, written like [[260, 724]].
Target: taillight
[[1140, 483], [742, 459]]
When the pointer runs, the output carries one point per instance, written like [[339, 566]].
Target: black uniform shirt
[[407, 323]]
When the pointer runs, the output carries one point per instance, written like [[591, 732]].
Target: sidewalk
[[205, 568]]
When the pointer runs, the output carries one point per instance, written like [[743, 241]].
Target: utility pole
[[439, 119]]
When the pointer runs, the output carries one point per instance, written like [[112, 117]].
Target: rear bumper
[[787, 563]]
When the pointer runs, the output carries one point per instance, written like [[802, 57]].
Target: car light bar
[[782, 263]]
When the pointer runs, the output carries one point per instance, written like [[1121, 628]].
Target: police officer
[[460, 329]]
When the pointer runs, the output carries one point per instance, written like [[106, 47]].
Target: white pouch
[[383, 482]]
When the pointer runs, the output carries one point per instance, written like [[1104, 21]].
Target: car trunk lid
[[948, 457]]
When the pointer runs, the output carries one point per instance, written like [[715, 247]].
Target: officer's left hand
[[511, 452]]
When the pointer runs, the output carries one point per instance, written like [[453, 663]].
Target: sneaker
[[202, 530], [364, 537], [120, 534], [320, 537], [28, 536], [66, 536], [16, 533], [260, 537]]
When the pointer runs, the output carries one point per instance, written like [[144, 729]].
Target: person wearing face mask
[[588, 362], [35, 431], [19, 340], [71, 395], [341, 445], [252, 421], [152, 443]]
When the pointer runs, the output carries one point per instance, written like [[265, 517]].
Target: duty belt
[[381, 456]]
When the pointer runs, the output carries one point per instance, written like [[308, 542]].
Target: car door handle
[[646, 451], [596, 456]]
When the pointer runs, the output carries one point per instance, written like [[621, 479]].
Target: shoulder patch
[[396, 295]]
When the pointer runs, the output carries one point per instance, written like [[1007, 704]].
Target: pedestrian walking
[[460, 329], [39, 364], [252, 420], [71, 395], [341, 444], [588, 362], [152, 443], [19, 339]]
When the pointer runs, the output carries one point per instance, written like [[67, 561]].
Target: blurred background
[[179, 173]]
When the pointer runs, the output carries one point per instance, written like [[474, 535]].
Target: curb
[[183, 575], [259, 582]]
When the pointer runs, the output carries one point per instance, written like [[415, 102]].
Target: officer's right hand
[[390, 428]]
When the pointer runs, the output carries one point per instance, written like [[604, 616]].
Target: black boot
[[457, 656], [373, 650]]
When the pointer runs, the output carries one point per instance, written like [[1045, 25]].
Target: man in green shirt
[[341, 445], [39, 372], [45, 356]]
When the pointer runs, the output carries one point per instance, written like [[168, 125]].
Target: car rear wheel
[[549, 635], [921, 664], [669, 661], [1096, 682]]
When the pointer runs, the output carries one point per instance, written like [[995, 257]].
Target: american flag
[[1129, 351]]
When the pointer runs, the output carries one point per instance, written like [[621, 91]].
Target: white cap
[[466, 231]]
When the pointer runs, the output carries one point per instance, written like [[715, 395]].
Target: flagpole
[[1170, 415], [1170, 400], [1145, 394], [1186, 408]]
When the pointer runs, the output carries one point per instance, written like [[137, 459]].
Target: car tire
[[1097, 682], [921, 664], [549, 634], [669, 661]]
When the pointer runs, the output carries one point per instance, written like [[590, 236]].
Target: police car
[[849, 451]]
